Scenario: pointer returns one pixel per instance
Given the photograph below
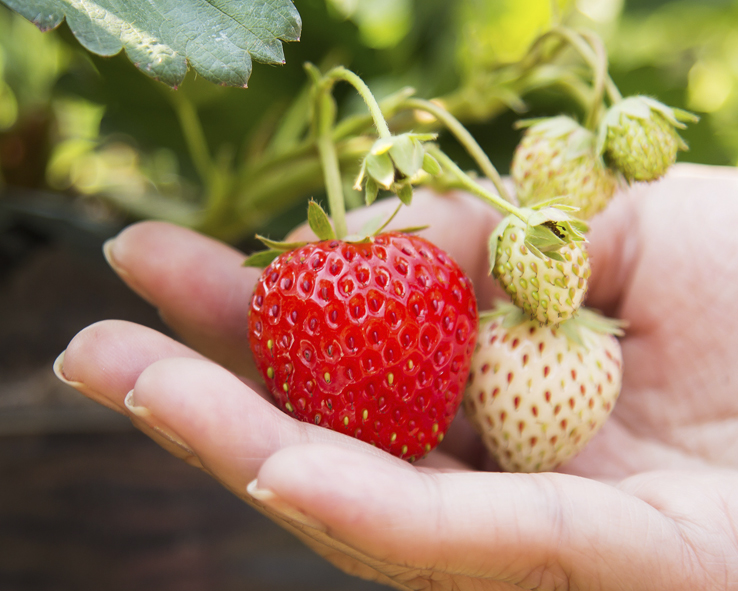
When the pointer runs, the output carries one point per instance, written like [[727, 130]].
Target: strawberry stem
[[388, 220], [601, 78], [324, 117], [341, 73], [465, 139], [470, 184], [591, 49]]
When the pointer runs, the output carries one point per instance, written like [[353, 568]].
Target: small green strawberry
[[557, 157], [549, 284], [638, 137], [537, 394]]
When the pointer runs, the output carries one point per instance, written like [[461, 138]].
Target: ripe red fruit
[[370, 339]]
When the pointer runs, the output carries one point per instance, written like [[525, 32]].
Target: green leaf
[[407, 154], [405, 193], [431, 165], [381, 169], [319, 222], [411, 229], [358, 238], [261, 259], [370, 191], [163, 37], [372, 226], [278, 245]]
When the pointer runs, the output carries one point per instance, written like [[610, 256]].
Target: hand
[[650, 504]]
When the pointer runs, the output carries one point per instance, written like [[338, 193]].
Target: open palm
[[651, 503]]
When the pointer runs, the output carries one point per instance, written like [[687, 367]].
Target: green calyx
[[577, 329], [395, 163], [323, 229], [319, 223], [548, 228]]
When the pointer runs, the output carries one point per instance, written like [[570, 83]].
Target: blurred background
[[90, 144]]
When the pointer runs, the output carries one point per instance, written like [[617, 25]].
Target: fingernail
[[147, 419], [273, 502], [109, 254], [109, 257], [84, 388]]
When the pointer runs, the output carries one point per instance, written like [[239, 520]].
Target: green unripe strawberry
[[549, 290], [557, 157], [638, 137]]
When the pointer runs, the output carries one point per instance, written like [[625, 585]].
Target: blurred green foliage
[[232, 161]]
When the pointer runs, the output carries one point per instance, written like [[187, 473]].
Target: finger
[[535, 531], [647, 241], [230, 428], [199, 286], [104, 360]]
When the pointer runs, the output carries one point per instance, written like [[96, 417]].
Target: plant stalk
[[591, 49], [341, 73], [465, 139], [472, 186], [325, 112]]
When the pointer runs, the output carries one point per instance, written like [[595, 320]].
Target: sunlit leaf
[[218, 38]]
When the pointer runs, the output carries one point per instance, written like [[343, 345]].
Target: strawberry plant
[[323, 315]]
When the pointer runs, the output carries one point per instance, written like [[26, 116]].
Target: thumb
[[537, 531]]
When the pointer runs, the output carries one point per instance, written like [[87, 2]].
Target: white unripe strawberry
[[537, 394], [549, 290], [557, 157]]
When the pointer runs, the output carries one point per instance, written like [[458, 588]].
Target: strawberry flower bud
[[395, 164], [638, 137]]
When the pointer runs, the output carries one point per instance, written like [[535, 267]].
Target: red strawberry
[[373, 339]]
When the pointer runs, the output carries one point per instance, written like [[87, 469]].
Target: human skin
[[651, 503]]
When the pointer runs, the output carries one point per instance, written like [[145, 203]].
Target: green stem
[[359, 124], [599, 84], [341, 73], [194, 136], [388, 220], [324, 118], [465, 139], [590, 48], [472, 186], [329, 163], [595, 42]]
